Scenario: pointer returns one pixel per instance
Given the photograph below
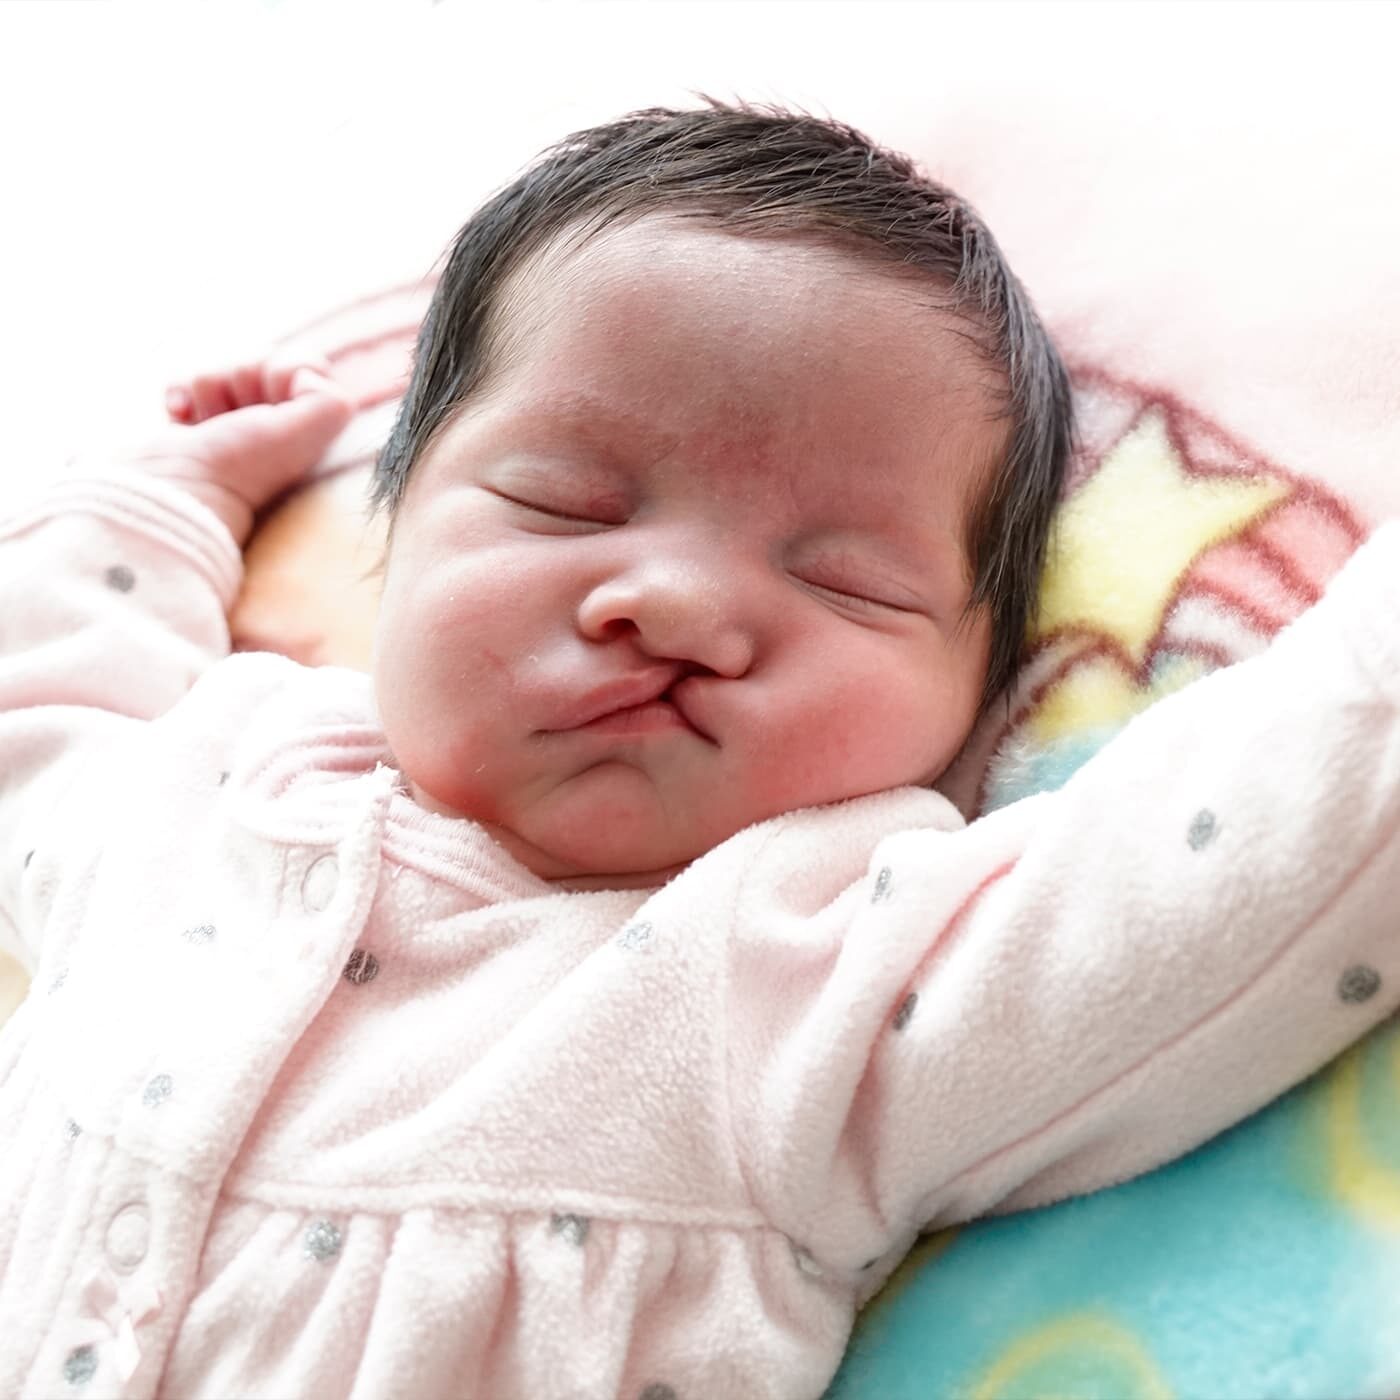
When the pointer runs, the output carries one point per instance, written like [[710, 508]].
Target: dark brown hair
[[761, 170]]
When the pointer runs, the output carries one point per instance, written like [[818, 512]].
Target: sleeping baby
[[598, 999]]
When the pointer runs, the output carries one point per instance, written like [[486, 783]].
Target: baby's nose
[[678, 609]]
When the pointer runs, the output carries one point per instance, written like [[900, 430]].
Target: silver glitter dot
[[28, 856], [200, 933], [121, 578], [574, 1228], [906, 1010], [1359, 983], [160, 1087], [71, 1129], [1201, 832], [361, 967], [804, 1260], [321, 1241], [58, 979], [223, 777], [80, 1365], [882, 885], [635, 937], [658, 1391]]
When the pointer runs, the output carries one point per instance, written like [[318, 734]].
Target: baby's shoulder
[[256, 704], [257, 743]]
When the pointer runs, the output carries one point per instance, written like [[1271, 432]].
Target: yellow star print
[[1126, 537]]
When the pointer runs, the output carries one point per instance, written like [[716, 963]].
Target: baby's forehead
[[781, 265], [650, 285]]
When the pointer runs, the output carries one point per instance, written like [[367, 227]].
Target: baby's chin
[[598, 864], [594, 857]]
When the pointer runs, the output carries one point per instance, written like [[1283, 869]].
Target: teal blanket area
[[1267, 1262]]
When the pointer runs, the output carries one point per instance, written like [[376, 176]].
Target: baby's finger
[[281, 369], [211, 396], [306, 424], [309, 381], [179, 406], [246, 385]]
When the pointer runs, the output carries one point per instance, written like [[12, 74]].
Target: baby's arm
[[114, 588], [1086, 984]]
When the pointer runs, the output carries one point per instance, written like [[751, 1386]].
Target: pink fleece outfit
[[317, 1094]]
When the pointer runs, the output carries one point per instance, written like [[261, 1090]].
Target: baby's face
[[736, 472]]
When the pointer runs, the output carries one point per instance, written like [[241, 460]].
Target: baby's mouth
[[632, 706], [656, 716]]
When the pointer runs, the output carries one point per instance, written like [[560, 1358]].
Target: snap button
[[128, 1236], [318, 884]]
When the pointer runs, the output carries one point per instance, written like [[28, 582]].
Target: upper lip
[[620, 694]]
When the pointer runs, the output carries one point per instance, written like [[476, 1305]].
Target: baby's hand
[[247, 434]]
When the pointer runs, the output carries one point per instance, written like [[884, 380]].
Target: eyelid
[[549, 510], [858, 599], [859, 570]]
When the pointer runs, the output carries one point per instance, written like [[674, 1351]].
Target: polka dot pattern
[[80, 1366], [1202, 830], [158, 1089], [1358, 983], [321, 1241], [361, 967], [906, 1010], [635, 937], [573, 1228]]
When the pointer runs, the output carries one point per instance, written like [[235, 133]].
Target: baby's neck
[[524, 854]]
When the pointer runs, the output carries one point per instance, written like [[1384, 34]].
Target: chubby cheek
[[437, 692], [862, 737]]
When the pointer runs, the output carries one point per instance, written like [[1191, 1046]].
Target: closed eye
[[550, 511], [858, 600]]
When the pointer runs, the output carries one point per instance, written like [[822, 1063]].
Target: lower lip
[[655, 717]]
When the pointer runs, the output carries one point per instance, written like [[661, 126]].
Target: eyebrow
[[600, 424]]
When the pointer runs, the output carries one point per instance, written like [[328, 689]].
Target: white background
[[183, 182]]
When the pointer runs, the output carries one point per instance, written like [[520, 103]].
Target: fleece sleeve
[[113, 599], [1079, 987]]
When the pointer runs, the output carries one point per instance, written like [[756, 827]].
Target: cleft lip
[[627, 692], [678, 696], [622, 693]]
